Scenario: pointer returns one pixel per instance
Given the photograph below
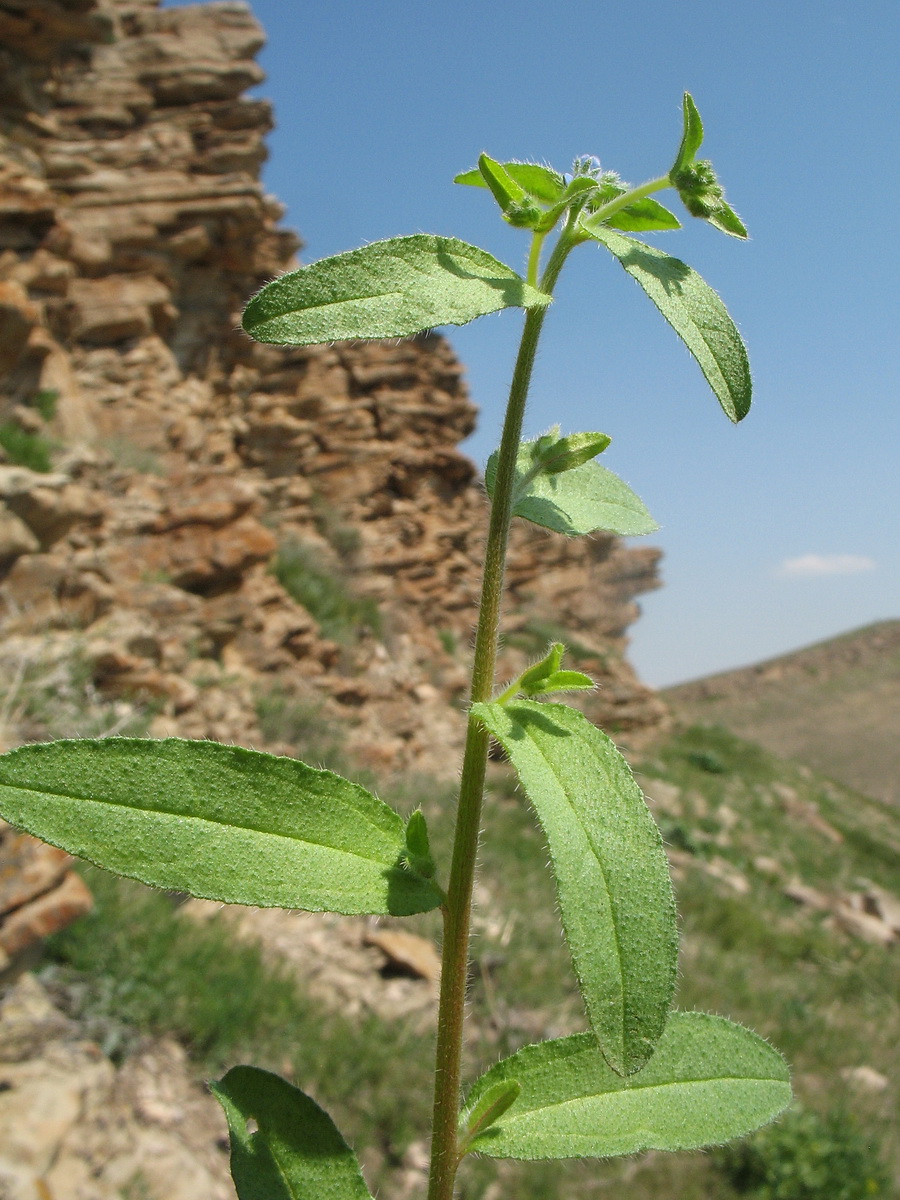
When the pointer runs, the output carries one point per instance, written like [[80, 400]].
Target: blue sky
[[777, 532]]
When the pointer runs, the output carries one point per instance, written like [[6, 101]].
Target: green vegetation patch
[[44, 402], [326, 595], [26, 449], [806, 1157], [301, 723], [137, 965]]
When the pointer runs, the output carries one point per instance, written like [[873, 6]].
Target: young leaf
[[582, 500], [639, 216], [517, 207], [691, 137], [219, 822], [493, 1103], [703, 196], [561, 681], [708, 1081], [546, 676], [725, 218], [695, 312], [504, 188], [642, 216], [579, 189], [548, 665], [555, 453], [541, 183], [472, 178], [388, 289], [418, 847], [611, 872], [295, 1152], [584, 187]]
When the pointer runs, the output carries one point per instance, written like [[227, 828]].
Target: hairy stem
[[458, 906], [534, 258], [629, 197]]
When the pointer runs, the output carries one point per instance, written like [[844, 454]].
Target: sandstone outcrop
[[133, 226], [75, 1126], [39, 893]]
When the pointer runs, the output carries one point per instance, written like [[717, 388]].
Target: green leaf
[[471, 178], [562, 681], [393, 288], [295, 1152], [642, 216], [615, 896], [418, 847], [574, 501], [639, 216], [703, 196], [549, 664], [504, 188], [557, 454], [580, 185], [725, 218], [691, 137], [493, 1103], [219, 822], [695, 312], [541, 183], [546, 676], [517, 207], [709, 1081]]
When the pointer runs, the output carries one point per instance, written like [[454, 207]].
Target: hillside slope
[[787, 886], [834, 705]]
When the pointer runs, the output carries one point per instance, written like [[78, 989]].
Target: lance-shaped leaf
[[644, 215], [708, 1081], [574, 501], [492, 1104], [388, 289], [517, 206], [219, 822], [615, 896], [691, 137], [553, 453], [694, 311], [696, 182], [641, 216], [547, 676], [418, 846], [725, 218], [295, 1151], [541, 183]]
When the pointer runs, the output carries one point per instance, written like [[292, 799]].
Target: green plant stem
[[629, 197], [458, 906], [534, 258]]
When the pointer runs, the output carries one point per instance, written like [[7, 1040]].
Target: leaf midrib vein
[[600, 866], [164, 812], [645, 1087]]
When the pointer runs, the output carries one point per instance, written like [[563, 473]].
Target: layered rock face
[[136, 574]]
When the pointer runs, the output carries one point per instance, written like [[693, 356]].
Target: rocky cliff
[[158, 462]]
